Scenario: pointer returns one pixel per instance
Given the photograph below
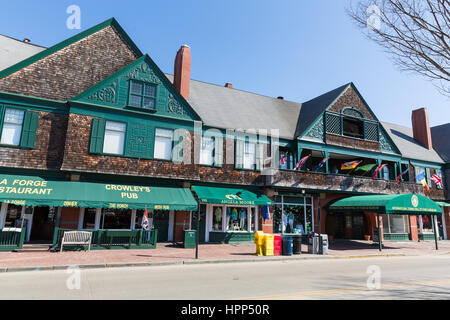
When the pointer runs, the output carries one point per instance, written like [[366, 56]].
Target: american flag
[[437, 181]]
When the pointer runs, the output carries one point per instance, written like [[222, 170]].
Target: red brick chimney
[[228, 85], [182, 71], [421, 127]]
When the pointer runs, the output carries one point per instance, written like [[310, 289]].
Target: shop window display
[[217, 219], [296, 218], [394, 223], [237, 219]]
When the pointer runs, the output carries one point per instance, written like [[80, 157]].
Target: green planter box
[[190, 238]]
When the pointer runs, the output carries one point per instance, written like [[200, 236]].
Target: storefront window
[[237, 219], [89, 218], [12, 214], [217, 219], [116, 219], [293, 215], [253, 219], [427, 224], [395, 223]]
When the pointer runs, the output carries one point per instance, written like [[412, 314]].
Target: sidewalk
[[166, 253]]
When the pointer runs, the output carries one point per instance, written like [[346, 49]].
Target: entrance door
[[43, 224], [161, 223], [339, 219], [358, 227]]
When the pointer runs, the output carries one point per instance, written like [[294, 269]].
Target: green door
[[161, 223]]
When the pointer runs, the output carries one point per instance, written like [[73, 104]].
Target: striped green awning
[[412, 204], [38, 191], [231, 196]]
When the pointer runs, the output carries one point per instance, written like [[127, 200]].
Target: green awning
[[37, 191], [231, 196], [413, 204], [443, 204]]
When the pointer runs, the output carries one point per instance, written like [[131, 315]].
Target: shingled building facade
[[95, 113]]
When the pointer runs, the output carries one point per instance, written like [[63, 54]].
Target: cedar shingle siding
[[73, 69]]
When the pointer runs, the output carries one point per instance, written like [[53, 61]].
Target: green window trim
[[144, 95], [97, 135], [334, 124], [28, 129]]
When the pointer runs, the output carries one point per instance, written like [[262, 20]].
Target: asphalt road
[[424, 277]]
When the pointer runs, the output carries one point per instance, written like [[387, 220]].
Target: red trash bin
[[277, 245]]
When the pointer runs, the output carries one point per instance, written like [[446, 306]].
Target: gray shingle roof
[[13, 51], [410, 148], [312, 109], [229, 108], [441, 135]]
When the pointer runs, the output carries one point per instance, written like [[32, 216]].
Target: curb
[[188, 262]]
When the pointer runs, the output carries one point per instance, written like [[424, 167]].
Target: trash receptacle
[[297, 245], [259, 241], [287, 246], [277, 245], [268, 244], [190, 238]]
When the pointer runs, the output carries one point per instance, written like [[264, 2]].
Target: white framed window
[[249, 155], [12, 127], [207, 151], [114, 137], [163, 144]]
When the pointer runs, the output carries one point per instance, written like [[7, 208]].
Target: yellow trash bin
[[268, 244], [259, 241]]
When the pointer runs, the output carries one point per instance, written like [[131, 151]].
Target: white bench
[[77, 237]]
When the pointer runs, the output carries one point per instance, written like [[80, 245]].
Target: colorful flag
[[379, 168], [320, 165], [401, 174], [350, 165], [144, 223], [437, 181], [301, 162], [423, 181], [366, 168]]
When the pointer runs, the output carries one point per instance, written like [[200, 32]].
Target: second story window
[[249, 155], [207, 151], [353, 128], [163, 144], [142, 95], [114, 137], [12, 127]]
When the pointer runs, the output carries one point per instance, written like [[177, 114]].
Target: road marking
[[327, 292]]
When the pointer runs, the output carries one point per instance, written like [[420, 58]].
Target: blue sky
[[292, 48]]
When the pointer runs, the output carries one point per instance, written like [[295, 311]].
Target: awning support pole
[[197, 233], [379, 234], [434, 231]]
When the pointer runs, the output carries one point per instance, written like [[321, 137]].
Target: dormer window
[[142, 95], [353, 128]]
